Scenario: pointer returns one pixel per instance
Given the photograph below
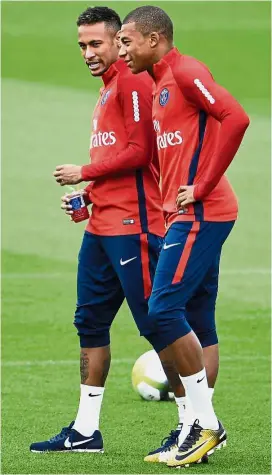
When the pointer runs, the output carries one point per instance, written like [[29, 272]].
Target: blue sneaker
[[70, 440], [78, 443]]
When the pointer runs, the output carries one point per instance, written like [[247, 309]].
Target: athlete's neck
[[162, 50]]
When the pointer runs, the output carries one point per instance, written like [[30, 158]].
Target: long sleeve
[[88, 189], [136, 103], [199, 88]]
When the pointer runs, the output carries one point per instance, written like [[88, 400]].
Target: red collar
[[162, 65], [113, 70]]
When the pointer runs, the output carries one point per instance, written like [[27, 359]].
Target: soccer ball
[[149, 379]]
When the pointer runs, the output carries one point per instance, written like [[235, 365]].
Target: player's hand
[[65, 205], [68, 174], [185, 196]]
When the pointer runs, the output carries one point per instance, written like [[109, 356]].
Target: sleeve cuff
[[85, 173], [200, 191]]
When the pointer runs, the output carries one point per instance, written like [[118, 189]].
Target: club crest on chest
[[164, 97]]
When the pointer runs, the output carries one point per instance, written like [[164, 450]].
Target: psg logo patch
[[164, 97], [105, 97]]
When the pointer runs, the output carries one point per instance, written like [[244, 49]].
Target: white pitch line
[[122, 361], [245, 271], [46, 275]]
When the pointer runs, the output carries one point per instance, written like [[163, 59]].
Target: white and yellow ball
[[149, 379]]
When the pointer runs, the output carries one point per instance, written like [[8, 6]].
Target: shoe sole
[[204, 459], [101, 451]]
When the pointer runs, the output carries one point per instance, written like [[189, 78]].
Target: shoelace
[[192, 437], [65, 432], [170, 439]]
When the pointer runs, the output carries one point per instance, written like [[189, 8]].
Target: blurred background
[[47, 100]]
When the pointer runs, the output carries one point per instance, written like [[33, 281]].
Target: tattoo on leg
[[84, 366]]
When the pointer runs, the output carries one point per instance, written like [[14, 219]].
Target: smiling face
[[98, 46], [137, 50]]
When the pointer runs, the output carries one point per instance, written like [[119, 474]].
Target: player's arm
[[136, 105], [199, 88]]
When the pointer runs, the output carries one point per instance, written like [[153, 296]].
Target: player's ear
[[154, 39], [116, 40]]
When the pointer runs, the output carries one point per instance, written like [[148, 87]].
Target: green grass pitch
[[47, 98]]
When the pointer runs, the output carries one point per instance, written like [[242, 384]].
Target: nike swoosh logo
[[94, 395], [166, 246], [123, 263], [199, 380], [187, 454], [68, 445]]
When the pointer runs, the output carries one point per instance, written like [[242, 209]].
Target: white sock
[[197, 391], [181, 403], [189, 418], [187, 422], [211, 391], [87, 419]]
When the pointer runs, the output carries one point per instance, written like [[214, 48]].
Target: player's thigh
[[186, 256], [99, 293], [134, 258], [200, 308]]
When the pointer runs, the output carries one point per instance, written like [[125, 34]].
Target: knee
[[155, 310], [207, 337], [167, 323], [92, 333]]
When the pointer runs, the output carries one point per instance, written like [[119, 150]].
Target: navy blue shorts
[[186, 283], [111, 268]]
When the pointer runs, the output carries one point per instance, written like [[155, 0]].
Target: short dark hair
[[149, 18], [99, 15]]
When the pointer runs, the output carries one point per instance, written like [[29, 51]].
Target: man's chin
[[134, 69], [98, 72]]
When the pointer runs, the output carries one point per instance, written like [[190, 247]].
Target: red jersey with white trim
[[124, 163], [199, 128]]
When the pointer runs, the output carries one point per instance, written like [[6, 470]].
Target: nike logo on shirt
[[123, 263], [166, 246], [75, 444]]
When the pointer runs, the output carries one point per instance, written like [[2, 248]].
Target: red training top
[[199, 128], [124, 163]]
